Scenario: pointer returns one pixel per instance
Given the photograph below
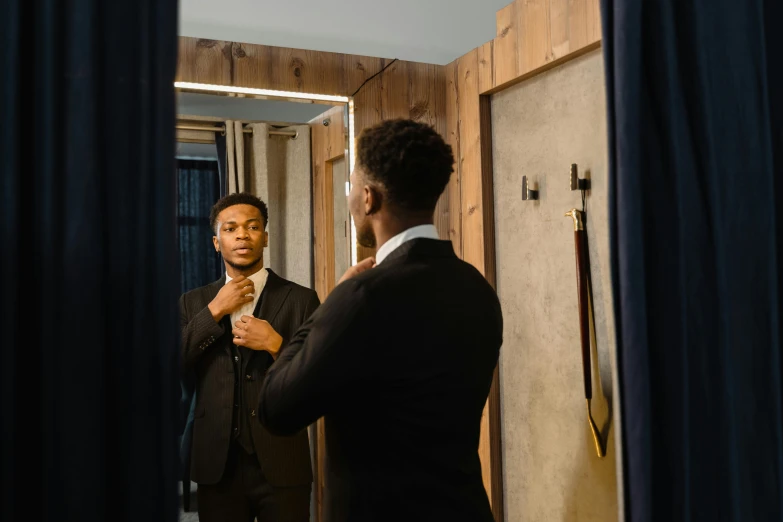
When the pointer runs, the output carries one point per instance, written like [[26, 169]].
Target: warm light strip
[[351, 161], [260, 92]]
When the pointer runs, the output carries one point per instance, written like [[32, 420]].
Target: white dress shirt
[[259, 281], [421, 231]]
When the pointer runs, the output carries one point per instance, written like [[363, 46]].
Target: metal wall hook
[[528, 193], [576, 182]]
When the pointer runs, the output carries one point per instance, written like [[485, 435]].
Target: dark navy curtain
[[89, 367], [199, 189], [220, 144], [199, 185], [696, 212]]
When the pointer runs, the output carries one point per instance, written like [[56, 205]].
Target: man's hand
[[258, 335], [357, 269], [231, 297]]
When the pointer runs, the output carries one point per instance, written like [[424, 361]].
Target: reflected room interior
[[263, 144]]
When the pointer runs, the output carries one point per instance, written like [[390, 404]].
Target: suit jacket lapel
[[272, 298]]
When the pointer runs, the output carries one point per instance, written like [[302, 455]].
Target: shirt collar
[[421, 231], [258, 278]]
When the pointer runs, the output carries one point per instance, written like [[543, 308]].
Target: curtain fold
[[89, 375], [199, 186], [220, 145], [235, 153], [696, 221], [199, 189], [231, 158], [279, 173], [290, 192], [277, 169]]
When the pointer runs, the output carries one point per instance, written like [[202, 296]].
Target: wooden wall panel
[[532, 36], [534, 44], [406, 90], [505, 62], [204, 61], [428, 104], [452, 138], [470, 160], [327, 144], [279, 68]]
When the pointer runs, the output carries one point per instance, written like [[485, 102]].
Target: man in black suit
[[243, 471], [400, 357]]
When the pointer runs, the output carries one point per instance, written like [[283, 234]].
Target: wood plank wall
[[328, 144], [407, 90], [280, 68], [532, 36]]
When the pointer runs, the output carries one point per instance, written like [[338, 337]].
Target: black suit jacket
[[206, 356], [399, 360]]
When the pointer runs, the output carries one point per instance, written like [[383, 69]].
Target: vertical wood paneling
[[395, 91], [505, 61], [467, 82], [486, 68], [452, 138], [534, 47], [532, 35], [584, 24], [368, 110], [470, 161], [559, 28], [405, 90], [428, 105], [327, 144]]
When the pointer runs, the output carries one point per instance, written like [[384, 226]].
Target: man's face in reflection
[[240, 237]]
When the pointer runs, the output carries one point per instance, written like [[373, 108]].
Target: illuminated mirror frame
[[298, 97]]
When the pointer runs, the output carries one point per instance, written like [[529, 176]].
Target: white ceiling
[[431, 31]]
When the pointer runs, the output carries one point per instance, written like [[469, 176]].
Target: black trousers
[[243, 494]]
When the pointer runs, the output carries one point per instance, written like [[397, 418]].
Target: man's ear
[[266, 239], [215, 242], [373, 199]]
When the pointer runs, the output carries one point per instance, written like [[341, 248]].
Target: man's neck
[[387, 230], [233, 272]]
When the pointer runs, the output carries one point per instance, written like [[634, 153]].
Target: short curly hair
[[409, 159], [238, 198]]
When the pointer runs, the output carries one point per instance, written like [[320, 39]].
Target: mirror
[[276, 160], [295, 155]]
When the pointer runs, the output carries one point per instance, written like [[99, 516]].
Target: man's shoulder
[[199, 293], [412, 275], [403, 268], [297, 291]]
